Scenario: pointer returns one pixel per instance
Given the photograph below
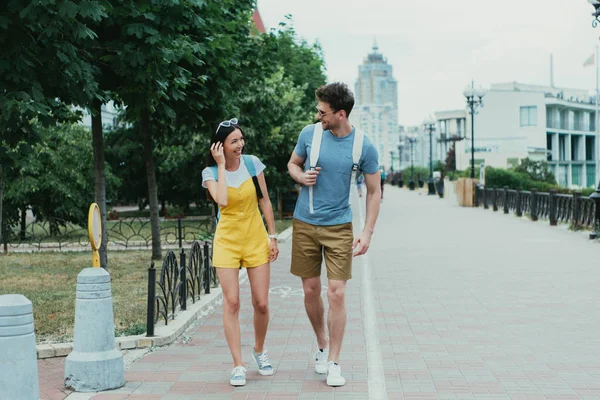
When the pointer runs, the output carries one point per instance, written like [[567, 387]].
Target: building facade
[[376, 106], [109, 116], [538, 122]]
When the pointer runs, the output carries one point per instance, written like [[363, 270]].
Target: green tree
[[43, 70], [450, 164], [56, 178], [536, 170]]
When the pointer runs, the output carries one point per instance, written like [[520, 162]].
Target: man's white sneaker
[[321, 358], [238, 376], [334, 375]]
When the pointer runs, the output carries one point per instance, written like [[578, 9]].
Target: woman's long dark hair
[[221, 136]]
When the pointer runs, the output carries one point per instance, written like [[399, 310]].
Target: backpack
[[314, 157], [251, 170]]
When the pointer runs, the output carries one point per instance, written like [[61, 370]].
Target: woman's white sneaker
[[264, 365], [238, 376], [321, 358], [334, 375]]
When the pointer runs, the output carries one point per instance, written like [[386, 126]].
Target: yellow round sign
[[95, 232]]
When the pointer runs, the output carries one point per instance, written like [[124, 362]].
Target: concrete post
[[18, 357], [95, 364]]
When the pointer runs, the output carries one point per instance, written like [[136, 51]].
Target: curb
[[163, 334]]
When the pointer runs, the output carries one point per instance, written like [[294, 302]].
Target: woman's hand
[[273, 250], [216, 149]]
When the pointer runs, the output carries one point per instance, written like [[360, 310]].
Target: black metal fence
[[180, 280], [573, 209], [58, 234]]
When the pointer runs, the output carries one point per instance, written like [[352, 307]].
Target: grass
[[49, 280], [282, 224]]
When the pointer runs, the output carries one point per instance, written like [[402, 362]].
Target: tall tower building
[[376, 109]]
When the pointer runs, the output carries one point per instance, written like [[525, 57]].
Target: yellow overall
[[241, 238]]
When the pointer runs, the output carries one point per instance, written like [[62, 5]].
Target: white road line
[[375, 372]]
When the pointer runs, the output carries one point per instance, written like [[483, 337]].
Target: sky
[[438, 48]]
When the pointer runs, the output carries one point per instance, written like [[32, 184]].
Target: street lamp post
[[474, 101], [429, 125], [412, 139], [596, 13], [400, 181]]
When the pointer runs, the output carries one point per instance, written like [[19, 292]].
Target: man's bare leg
[[336, 318], [314, 308]]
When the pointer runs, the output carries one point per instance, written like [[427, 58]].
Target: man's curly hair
[[337, 95]]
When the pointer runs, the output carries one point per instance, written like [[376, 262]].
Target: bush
[[498, 178], [419, 172], [174, 212], [112, 215], [536, 170]]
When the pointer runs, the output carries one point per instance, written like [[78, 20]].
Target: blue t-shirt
[[330, 193]]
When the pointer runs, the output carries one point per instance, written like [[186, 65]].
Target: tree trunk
[[100, 176], [152, 188], [1, 220], [23, 222]]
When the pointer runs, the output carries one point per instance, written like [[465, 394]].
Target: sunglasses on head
[[227, 124]]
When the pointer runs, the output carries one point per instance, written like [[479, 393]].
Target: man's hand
[[310, 177], [361, 244]]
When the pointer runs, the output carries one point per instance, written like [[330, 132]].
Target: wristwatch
[[272, 236]]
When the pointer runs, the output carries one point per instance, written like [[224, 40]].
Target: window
[[590, 172], [576, 175], [589, 148], [529, 116]]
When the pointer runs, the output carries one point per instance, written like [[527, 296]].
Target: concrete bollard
[[95, 364], [18, 356]]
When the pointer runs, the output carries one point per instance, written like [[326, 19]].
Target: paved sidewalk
[[475, 304], [468, 304], [198, 365]]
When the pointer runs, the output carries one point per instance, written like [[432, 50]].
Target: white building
[[540, 122], [376, 106], [109, 116], [404, 152], [450, 128]]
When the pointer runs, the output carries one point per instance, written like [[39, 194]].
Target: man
[[322, 224]]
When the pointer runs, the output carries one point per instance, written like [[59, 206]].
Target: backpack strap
[[252, 171], [356, 153], [315, 149]]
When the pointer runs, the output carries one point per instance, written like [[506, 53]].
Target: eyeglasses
[[227, 124], [322, 114]]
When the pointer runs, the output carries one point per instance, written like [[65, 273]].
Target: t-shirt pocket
[[345, 165]]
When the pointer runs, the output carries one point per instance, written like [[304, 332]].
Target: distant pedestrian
[[322, 225], [237, 184], [383, 176], [359, 184]]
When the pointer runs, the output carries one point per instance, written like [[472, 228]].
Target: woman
[[241, 239]]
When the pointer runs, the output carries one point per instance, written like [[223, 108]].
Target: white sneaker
[[334, 375], [321, 358], [238, 376]]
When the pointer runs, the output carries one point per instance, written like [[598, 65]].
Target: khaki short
[[311, 242]]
